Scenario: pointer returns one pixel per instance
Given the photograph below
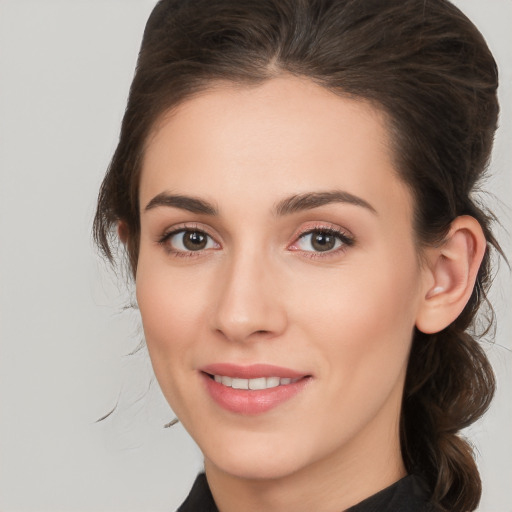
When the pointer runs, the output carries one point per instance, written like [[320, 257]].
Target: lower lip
[[250, 402]]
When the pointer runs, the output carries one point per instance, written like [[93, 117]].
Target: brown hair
[[428, 67]]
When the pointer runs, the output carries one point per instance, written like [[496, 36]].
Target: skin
[[259, 293]]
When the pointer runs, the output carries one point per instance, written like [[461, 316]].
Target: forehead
[[252, 144]]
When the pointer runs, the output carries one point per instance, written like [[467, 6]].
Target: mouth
[[253, 389]]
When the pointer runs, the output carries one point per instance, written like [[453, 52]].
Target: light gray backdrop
[[65, 69]]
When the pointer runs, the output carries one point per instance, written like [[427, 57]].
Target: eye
[[188, 240], [322, 240]]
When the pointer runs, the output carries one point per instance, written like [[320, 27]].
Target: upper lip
[[252, 371]]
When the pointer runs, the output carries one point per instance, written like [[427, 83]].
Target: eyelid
[[322, 226], [185, 226]]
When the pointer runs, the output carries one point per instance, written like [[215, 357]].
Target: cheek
[[170, 307], [364, 317]]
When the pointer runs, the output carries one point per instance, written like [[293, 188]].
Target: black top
[[410, 494]]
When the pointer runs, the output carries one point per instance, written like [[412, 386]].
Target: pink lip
[[251, 402], [252, 371]]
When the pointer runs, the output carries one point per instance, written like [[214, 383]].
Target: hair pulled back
[[429, 69]]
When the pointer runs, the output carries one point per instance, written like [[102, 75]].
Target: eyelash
[[345, 239], [182, 229]]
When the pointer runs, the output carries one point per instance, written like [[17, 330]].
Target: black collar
[[410, 494]]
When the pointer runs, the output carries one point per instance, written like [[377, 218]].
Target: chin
[[258, 457], [247, 468]]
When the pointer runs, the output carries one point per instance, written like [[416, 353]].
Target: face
[[277, 254]]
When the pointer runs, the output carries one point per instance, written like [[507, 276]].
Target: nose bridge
[[248, 305]]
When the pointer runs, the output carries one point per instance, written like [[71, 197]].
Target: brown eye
[[188, 240], [194, 240], [320, 240]]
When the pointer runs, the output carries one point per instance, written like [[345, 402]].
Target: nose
[[249, 304]]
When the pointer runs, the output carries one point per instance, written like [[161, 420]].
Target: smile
[[254, 389], [258, 383]]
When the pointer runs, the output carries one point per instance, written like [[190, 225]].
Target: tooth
[[259, 383], [254, 384], [272, 382], [240, 383], [227, 381]]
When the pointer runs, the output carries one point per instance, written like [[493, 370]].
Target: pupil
[[194, 241], [323, 241]]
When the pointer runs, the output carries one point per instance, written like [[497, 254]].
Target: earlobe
[[452, 269], [122, 231]]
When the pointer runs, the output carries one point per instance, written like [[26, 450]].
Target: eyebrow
[[311, 200], [191, 204], [287, 206]]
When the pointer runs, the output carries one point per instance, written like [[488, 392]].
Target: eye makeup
[[318, 240], [187, 240], [325, 240]]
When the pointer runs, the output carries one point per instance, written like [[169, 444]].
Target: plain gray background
[[65, 69]]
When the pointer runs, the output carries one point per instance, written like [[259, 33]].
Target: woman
[[293, 186]]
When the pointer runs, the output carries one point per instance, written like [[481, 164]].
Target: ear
[[122, 231], [451, 271]]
